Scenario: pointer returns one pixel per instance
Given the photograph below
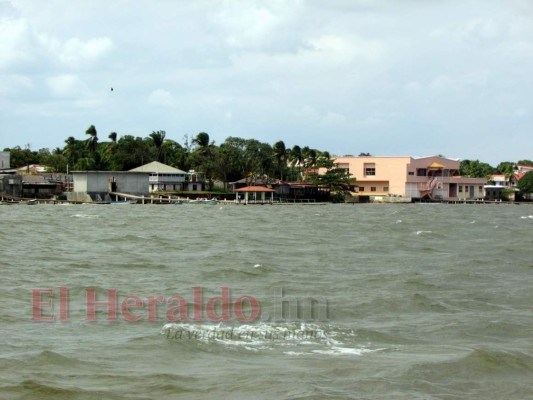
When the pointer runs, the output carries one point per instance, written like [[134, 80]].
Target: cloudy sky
[[397, 77]]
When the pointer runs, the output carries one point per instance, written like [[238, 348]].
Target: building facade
[[163, 177], [96, 185], [433, 178]]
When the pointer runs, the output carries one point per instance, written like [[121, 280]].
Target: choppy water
[[423, 302]]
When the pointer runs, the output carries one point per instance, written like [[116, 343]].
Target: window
[[361, 188], [411, 173], [194, 187], [372, 188], [370, 169], [460, 189], [385, 188], [345, 166], [480, 188]]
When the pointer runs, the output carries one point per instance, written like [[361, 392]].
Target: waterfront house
[[163, 177], [432, 178]]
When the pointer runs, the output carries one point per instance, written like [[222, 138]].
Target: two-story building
[[163, 177], [435, 178]]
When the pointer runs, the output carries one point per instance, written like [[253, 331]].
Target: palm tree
[[92, 142], [297, 159], [72, 150], [113, 137], [158, 138], [203, 155], [201, 140], [280, 153]]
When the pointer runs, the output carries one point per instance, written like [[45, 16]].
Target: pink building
[[435, 178]]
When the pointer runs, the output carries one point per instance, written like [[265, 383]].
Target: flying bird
[[111, 89]]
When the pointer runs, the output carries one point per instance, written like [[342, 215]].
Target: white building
[[163, 177], [96, 185]]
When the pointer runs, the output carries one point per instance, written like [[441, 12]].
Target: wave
[[84, 216], [290, 338], [31, 388], [478, 363]]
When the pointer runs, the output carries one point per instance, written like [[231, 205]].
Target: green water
[[403, 302]]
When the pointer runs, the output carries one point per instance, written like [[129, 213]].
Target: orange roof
[[254, 189]]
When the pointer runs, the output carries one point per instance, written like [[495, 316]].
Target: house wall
[[97, 182], [389, 172]]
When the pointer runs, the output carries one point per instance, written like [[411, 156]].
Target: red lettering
[[224, 301], [152, 306], [111, 304], [255, 308], [37, 302], [182, 308], [126, 305]]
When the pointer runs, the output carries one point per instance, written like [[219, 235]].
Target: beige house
[[435, 178], [163, 177]]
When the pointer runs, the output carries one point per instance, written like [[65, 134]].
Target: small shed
[[250, 194]]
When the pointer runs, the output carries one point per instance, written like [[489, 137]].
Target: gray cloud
[[388, 77]]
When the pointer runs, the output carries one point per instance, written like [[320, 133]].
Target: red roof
[[254, 189]]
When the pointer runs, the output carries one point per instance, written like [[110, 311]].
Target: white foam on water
[[84, 216], [423, 232], [339, 351], [307, 338], [399, 221]]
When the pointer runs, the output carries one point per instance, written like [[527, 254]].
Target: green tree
[[130, 152], [175, 154], [22, 157], [158, 138], [280, 153], [202, 158], [525, 184], [338, 180], [297, 160], [526, 163], [92, 142], [475, 169]]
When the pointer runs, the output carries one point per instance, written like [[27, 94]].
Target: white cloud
[[161, 97], [16, 43], [67, 86], [333, 119], [76, 53]]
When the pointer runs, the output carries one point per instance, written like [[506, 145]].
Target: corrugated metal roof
[[157, 167]]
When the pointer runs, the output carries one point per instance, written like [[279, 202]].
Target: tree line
[[230, 161]]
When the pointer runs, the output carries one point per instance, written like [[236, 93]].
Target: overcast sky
[[398, 77]]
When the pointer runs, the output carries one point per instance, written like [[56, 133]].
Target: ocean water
[[288, 302]]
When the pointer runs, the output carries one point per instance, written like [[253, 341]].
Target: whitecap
[[334, 351], [399, 221], [423, 232], [297, 338], [84, 216]]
